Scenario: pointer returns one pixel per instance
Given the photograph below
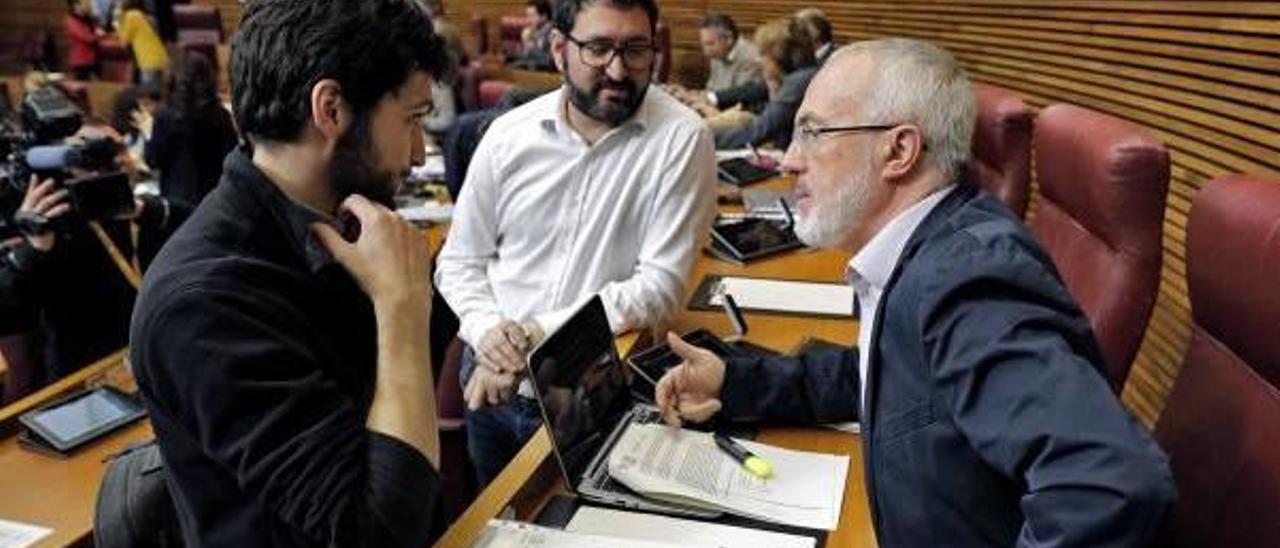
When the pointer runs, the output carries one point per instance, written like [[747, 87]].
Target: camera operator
[[20, 256]]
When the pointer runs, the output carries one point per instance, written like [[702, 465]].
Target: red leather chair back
[[116, 59], [1221, 421], [662, 58], [509, 29], [1102, 183], [1002, 147], [199, 18], [480, 35]]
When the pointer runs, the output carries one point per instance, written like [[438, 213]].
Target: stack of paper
[[686, 467], [513, 534], [640, 526], [431, 211], [786, 296]]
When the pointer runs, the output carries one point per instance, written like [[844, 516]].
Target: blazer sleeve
[[254, 396], [752, 92], [818, 386], [1016, 359]]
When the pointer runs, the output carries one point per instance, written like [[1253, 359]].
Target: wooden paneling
[[1202, 76]]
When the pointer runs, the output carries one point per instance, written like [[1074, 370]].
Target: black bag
[[134, 508]]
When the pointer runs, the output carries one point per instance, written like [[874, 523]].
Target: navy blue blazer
[[989, 419]]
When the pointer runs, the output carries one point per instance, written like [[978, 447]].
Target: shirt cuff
[[474, 326]]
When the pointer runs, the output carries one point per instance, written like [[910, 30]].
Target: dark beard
[[353, 169], [611, 113]]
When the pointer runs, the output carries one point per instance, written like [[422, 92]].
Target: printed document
[[684, 466], [638, 525], [18, 535], [502, 533]]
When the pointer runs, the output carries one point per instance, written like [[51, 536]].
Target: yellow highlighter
[[758, 467]]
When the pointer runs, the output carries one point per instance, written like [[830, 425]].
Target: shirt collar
[[874, 263], [555, 114], [292, 217], [736, 51]]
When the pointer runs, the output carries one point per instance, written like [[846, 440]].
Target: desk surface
[[531, 477], [60, 494]]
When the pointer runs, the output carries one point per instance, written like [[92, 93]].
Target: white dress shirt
[[870, 268], [545, 220]]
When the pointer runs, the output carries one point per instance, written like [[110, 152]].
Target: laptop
[[583, 391]]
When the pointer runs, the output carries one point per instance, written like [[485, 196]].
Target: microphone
[[48, 157]]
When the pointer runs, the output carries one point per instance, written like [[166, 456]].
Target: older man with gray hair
[[986, 417]]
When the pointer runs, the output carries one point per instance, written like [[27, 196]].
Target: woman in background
[[787, 64], [82, 39], [190, 135], [136, 30]]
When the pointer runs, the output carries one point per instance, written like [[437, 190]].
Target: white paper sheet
[[637, 525], [787, 296], [806, 490], [513, 534], [18, 535], [430, 211]]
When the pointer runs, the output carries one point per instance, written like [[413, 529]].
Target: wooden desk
[[60, 493], [532, 476]]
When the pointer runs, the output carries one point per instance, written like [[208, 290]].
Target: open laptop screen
[[582, 387]]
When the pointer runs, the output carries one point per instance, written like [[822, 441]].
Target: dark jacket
[[990, 422], [256, 355], [777, 120]]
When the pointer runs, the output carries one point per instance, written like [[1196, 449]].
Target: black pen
[[758, 467]]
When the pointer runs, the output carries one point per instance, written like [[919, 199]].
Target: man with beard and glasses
[[604, 186], [280, 340], [986, 416]]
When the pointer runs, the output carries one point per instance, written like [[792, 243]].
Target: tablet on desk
[[71, 422]]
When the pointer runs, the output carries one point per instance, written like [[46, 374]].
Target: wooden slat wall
[[17, 17], [1203, 76]]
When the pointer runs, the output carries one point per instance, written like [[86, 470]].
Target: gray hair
[[918, 82]]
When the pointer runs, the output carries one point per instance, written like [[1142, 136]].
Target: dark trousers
[[496, 434]]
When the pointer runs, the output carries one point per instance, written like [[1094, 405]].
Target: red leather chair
[[21, 352], [1102, 183], [1001, 161], [116, 59], [197, 18], [491, 91], [1221, 421], [662, 58], [479, 35], [457, 472], [509, 29]]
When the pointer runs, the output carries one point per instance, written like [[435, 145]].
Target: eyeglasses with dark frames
[[599, 53]]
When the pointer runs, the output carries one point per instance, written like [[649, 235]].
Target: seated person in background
[[787, 66], [536, 37], [125, 116], [446, 30], [601, 187], [986, 416], [734, 60], [815, 23], [82, 40], [285, 366], [719, 106], [189, 137], [135, 29]]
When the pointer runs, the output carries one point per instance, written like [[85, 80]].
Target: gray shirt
[[742, 65]]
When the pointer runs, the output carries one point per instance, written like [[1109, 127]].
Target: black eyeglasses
[[805, 135], [599, 53]]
